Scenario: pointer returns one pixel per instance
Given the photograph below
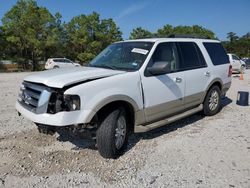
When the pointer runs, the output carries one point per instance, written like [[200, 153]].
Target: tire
[[55, 67], [112, 134], [46, 129], [212, 102]]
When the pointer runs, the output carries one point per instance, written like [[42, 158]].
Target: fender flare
[[109, 100], [211, 83]]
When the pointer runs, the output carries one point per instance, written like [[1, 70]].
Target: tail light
[[48, 62], [230, 71]]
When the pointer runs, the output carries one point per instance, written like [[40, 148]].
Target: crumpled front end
[[45, 105]]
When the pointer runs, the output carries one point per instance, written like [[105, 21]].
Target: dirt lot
[[194, 152]]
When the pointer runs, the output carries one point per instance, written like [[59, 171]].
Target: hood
[[59, 78]]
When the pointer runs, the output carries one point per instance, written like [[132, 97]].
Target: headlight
[[60, 102], [72, 102]]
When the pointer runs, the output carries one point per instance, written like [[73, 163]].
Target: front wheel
[[112, 134], [212, 102]]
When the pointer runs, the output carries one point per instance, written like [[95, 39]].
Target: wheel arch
[[113, 102], [216, 81]]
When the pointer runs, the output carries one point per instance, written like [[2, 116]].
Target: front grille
[[34, 97]]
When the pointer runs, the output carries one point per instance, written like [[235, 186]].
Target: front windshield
[[123, 56]]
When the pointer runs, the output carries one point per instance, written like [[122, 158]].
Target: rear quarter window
[[217, 53]]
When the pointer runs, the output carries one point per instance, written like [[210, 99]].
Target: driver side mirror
[[159, 67]]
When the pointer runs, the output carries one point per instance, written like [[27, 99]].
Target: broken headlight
[[72, 102], [60, 102]]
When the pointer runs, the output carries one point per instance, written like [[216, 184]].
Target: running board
[[149, 127]]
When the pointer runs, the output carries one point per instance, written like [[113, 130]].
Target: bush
[[2, 67]]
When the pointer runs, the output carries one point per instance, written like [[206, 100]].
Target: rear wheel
[[112, 134], [212, 102], [56, 67]]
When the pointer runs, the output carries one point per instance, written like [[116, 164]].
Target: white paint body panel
[[50, 64], [124, 85], [162, 89], [236, 63], [58, 119], [59, 78]]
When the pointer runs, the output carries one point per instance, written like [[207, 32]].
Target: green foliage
[[87, 35], [31, 30], [2, 43], [182, 30], [232, 36], [169, 30], [2, 67], [139, 33], [238, 45], [30, 33]]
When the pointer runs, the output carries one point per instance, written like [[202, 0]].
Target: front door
[[163, 94]]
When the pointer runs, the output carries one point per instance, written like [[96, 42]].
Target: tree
[[32, 30], [139, 33], [87, 35], [232, 36], [247, 35], [238, 45], [2, 42], [195, 30], [165, 31]]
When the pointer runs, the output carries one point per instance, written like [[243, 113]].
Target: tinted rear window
[[217, 53], [191, 56], [58, 60]]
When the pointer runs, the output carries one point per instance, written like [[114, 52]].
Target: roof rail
[[187, 36]]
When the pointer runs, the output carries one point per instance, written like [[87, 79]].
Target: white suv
[[53, 63], [238, 65], [132, 86]]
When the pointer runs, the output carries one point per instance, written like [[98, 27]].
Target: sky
[[220, 16]]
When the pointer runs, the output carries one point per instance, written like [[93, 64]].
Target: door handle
[[207, 73], [178, 80]]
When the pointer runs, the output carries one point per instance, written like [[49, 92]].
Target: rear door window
[[235, 57], [191, 56], [59, 60], [67, 61], [216, 52]]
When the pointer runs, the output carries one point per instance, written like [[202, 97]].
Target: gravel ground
[[194, 152]]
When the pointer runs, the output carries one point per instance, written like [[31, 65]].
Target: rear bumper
[[58, 119], [47, 67]]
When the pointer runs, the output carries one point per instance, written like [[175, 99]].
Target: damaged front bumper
[[59, 119]]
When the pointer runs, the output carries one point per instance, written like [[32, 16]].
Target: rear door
[[163, 94], [60, 62], [220, 60], [196, 72], [68, 63]]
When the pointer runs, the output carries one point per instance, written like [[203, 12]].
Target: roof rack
[[187, 36]]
